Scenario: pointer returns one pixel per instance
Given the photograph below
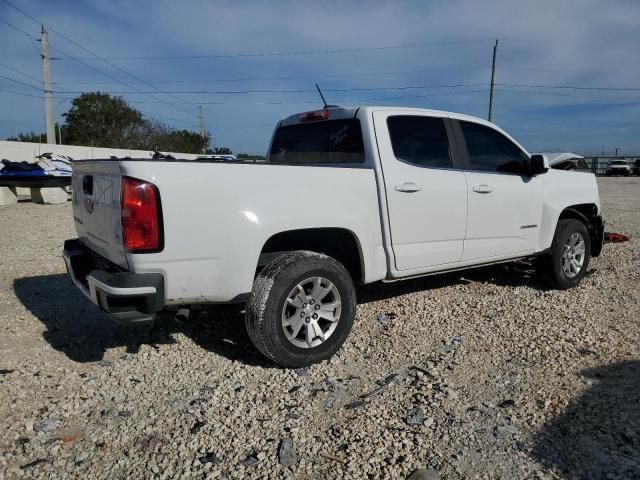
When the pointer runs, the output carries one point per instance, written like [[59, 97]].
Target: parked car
[[347, 196], [226, 158], [619, 167], [635, 170]]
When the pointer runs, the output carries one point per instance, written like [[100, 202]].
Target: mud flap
[[597, 236]]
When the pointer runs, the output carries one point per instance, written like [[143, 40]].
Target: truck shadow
[[515, 274], [598, 435], [77, 328], [73, 324]]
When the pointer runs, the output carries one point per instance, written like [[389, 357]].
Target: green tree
[[221, 151], [28, 137], [101, 120], [250, 156], [184, 141]]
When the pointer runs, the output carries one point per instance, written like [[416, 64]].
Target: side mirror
[[539, 164]]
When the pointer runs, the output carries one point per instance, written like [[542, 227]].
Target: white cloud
[[584, 42]]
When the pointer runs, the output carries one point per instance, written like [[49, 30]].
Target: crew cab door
[[505, 203], [426, 191]]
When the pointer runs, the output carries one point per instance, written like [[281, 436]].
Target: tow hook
[[610, 237], [182, 314]]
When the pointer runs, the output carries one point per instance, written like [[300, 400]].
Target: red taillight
[[141, 222]]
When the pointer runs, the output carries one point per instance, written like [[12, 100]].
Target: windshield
[[618, 162], [332, 141]]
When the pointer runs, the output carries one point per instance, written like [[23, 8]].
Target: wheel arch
[[588, 214], [339, 243]]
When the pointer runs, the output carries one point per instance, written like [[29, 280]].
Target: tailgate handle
[[87, 184]]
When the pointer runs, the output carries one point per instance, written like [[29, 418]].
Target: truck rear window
[[332, 141]]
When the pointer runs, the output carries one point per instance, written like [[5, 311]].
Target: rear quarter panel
[[217, 217]]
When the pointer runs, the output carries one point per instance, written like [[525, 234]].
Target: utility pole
[[493, 79], [48, 94], [202, 133]]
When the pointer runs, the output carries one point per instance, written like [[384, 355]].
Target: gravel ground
[[485, 374]]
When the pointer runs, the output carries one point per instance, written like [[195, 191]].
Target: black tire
[[550, 267], [271, 289]]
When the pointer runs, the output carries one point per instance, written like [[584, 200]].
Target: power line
[[150, 94], [364, 89], [21, 83], [20, 93], [302, 102], [16, 28], [315, 102], [299, 52], [102, 72], [96, 56], [20, 72], [442, 94], [557, 94], [570, 87], [296, 77], [261, 91]]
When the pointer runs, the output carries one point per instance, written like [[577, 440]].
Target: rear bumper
[[130, 298]]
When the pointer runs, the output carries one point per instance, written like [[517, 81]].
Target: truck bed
[[203, 201]]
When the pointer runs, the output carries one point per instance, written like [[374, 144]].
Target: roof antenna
[[323, 100], [321, 96]]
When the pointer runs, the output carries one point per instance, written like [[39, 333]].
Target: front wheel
[[568, 259], [301, 309]]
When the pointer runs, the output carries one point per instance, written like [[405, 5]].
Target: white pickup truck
[[346, 196]]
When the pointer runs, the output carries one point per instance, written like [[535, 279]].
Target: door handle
[[408, 187], [482, 189]]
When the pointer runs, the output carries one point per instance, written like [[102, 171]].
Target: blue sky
[[584, 43]]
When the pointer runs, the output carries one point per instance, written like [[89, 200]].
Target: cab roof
[[337, 113]]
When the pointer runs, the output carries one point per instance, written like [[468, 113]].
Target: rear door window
[[324, 142], [490, 151], [420, 141]]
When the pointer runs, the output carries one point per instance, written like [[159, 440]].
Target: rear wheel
[[301, 309], [568, 260]]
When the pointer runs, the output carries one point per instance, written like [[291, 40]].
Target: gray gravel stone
[[521, 343], [46, 425], [505, 431], [424, 474], [286, 454], [415, 416], [445, 348]]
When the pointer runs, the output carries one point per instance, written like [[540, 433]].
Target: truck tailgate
[[96, 208]]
